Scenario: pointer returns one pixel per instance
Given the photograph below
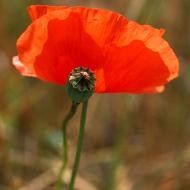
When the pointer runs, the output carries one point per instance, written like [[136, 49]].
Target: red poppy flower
[[125, 56]]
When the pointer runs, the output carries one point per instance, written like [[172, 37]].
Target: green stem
[[79, 145], [65, 146]]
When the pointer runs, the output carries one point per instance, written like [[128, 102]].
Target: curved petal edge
[[25, 71]]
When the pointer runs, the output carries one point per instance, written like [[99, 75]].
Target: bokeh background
[[132, 142]]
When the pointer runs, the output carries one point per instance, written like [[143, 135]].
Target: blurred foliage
[[133, 142]]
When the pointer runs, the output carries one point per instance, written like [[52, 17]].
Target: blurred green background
[[132, 142]]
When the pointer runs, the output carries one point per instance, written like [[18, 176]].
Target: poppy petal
[[67, 50], [125, 56], [22, 68], [157, 89], [54, 56], [153, 40], [36, 11], [113, 30], [138, 71]]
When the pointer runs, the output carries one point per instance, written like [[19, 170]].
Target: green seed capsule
[[80, 85]]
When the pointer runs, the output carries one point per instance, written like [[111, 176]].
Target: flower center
[[82, 79], [81, 84]]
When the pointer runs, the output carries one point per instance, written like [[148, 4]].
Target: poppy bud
[[80, 85]]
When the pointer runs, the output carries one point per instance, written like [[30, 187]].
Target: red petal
[[126, 56], [157, 89], [36, 11], [50, 46], [135, 69], [22, 68]]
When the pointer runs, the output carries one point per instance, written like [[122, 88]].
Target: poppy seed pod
[[80, 85]]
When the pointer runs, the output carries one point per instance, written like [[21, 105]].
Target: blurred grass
[[133, 142]]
